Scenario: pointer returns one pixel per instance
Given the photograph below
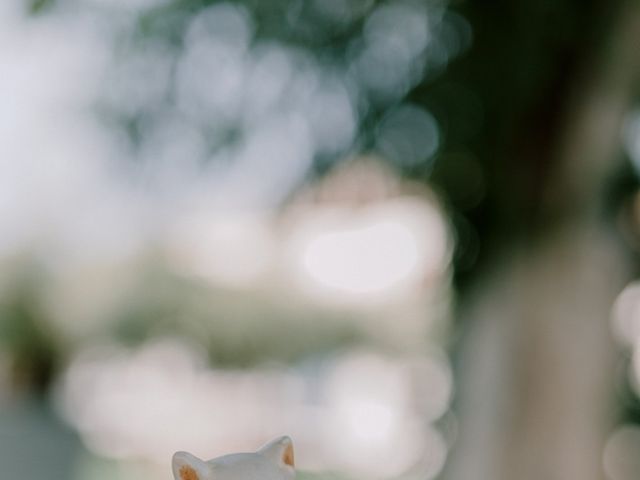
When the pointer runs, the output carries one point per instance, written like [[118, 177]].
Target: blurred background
[[404, 232]]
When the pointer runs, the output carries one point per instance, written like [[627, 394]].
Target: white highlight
[[147, 403], [374, 254], [367, 259]]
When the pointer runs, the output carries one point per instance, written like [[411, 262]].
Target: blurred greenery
[[501, 83]]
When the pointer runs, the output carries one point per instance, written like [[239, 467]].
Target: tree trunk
[[536, 371]]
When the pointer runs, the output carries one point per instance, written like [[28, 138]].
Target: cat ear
[[279, 451], [189, 467]]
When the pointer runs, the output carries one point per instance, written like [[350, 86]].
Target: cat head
[[274, 461]]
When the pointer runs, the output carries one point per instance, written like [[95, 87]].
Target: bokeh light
[[207, 239], [391, 229], [356, 414]]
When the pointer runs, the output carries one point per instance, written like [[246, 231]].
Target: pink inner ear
[[188, 473], [287, 456]]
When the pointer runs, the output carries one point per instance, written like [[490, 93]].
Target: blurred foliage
[[478, 113], [499, 105], [34, 348], [166, 306], [526, 67], [500, 108]]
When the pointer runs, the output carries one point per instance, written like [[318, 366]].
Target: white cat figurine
[[274, 461]]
